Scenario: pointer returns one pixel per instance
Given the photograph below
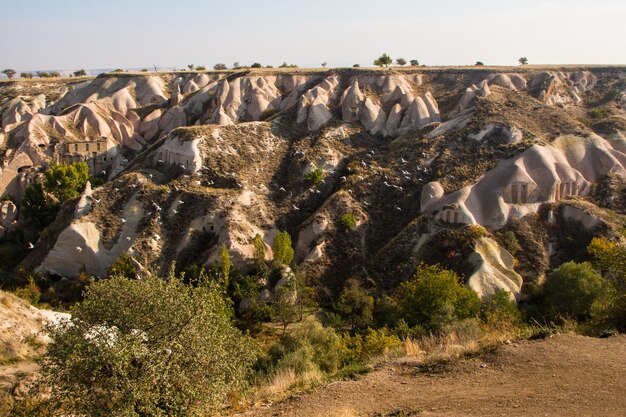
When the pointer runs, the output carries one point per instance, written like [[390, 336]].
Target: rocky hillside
[[419, 158]]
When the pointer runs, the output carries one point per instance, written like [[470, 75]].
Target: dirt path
[[566, 375]]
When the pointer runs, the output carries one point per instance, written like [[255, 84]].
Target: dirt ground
[[566, 375]]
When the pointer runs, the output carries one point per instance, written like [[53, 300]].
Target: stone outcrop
[[517, 186], [494, 270]]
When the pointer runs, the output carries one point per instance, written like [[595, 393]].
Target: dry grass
[[465, 338]]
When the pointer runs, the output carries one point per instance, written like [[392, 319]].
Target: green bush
[[609, 309], [599, 113], [31, 292], [146, 347], [509, 241], [571, 289], [268, 113], [315, 177], [355, 305], [499, 310], [310, 346], [348, 221], [123, 267], [435, 297]]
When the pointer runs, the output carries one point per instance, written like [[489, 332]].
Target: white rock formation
[[517, 186], [494, 270]]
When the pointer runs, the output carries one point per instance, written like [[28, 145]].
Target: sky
[[70, 34]]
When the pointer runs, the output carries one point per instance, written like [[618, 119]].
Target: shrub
[[609, 309], [322, 343], [43, 74], [55, 74], [414, 63], [401, 61], [571, 289], [479, 63], [283, 252], [26, 75], [219, 67], [127, 352], [435, 297], [509, 241], [315, 177], [599, 113], [256, 65], [80, 73], [383, 60], [269, 113], [348, 221], [477, 231], [31, 292], [200, 68], [123, 267], [499, 310]]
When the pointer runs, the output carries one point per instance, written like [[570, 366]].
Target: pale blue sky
[[70, 34]]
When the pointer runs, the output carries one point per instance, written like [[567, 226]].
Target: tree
[[401, 61], [571, 290], [219, 67], [414, 63], [80, 73], [383, 60], [256, 65], [225, 264], [259, 253], [324, 64], [191, 67], [9, 73], [435, 297], [609, 309], [43, 74], [66, 181], [55, 74], [479, 63], [283, 252], [26, 75], [38, 207], [523, 60], [285, 309], [150, 347], [236, 65], [355, 305]]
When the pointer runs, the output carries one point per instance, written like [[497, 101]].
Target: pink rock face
[[149, 127], [517, 186]]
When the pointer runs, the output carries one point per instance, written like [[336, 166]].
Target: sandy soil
[[567, 375]]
